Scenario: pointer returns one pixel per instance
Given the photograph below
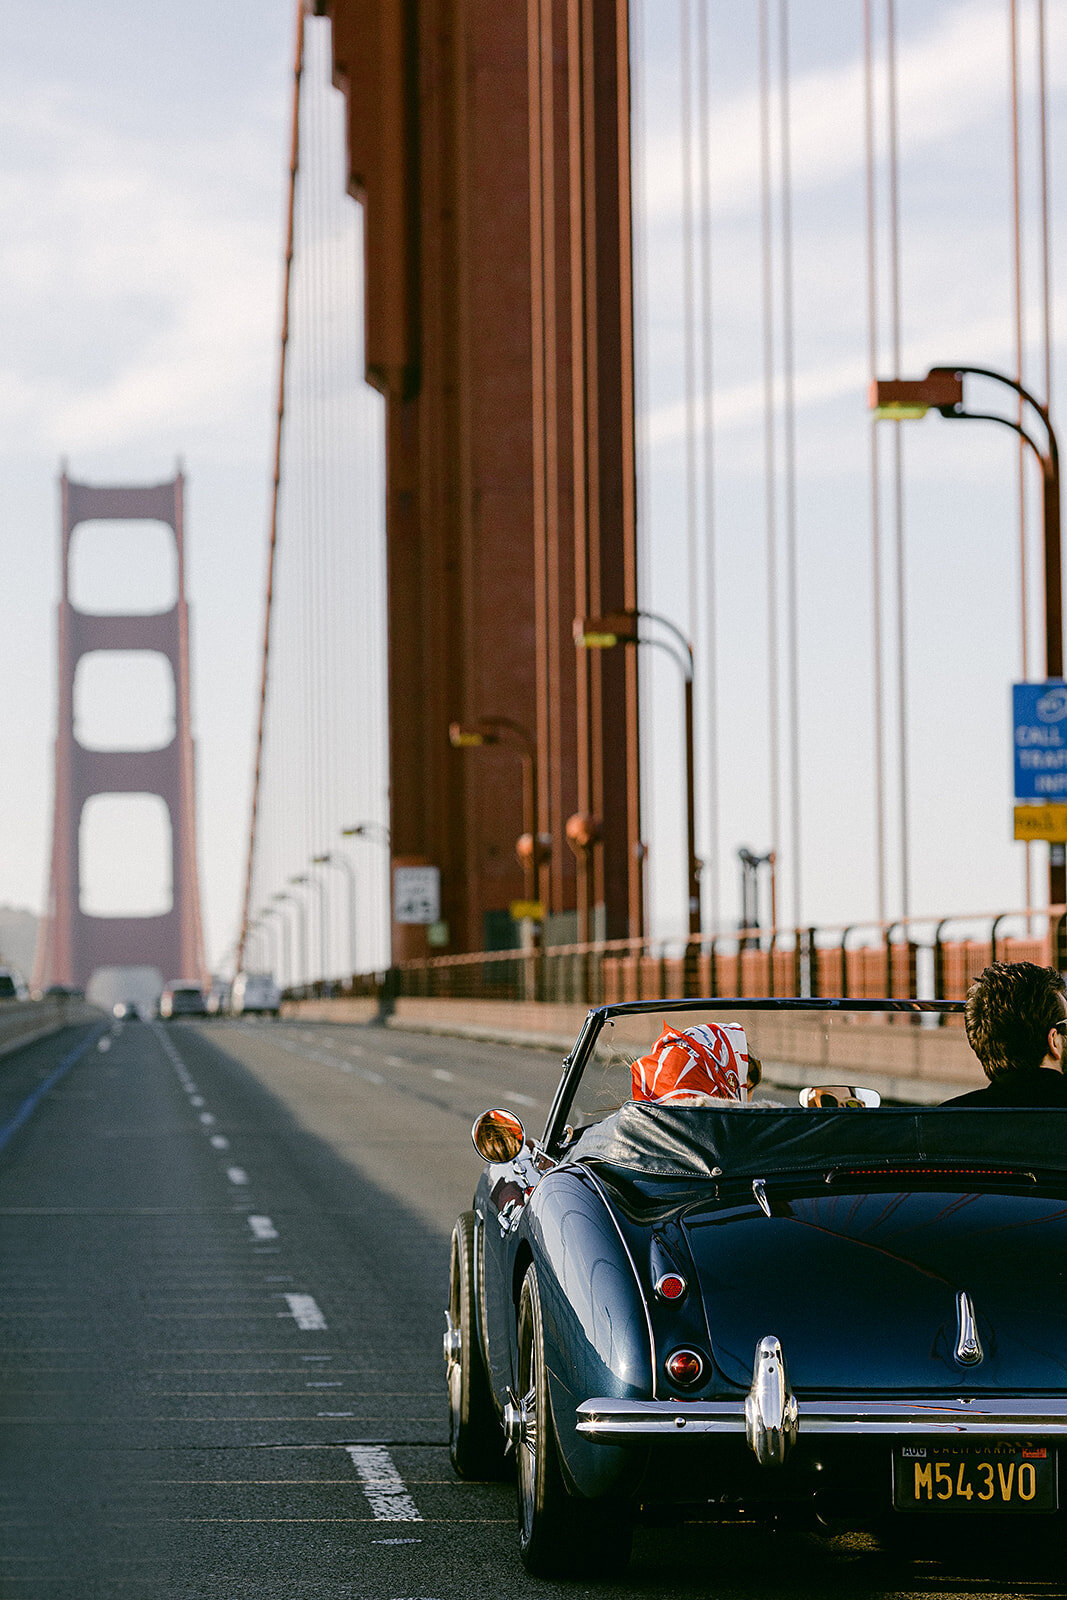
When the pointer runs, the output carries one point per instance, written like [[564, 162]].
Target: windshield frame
[[575, 1063]]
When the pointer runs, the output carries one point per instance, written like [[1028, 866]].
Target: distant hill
[[18, 939]]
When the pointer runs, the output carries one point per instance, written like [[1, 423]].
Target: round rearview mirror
[[838, 1097], [498, 1135]]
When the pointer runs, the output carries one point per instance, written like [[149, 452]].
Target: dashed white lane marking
[[382, 1484], [305, 1313], [442, 1075], [262, 1228], [396, 1061], [220, 1141], [207, 1118], [520, 1099], [237, 1175], [103, 1045], [196, 1100]]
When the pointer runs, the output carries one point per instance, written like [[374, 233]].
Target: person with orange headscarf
[[708, 1065]]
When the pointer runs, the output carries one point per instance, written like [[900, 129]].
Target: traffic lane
[[374, 1099], [221, 1465], [460, 1524], [141, 1329], [400, 1106]]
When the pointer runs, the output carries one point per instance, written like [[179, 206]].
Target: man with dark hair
[[1016, 1018]]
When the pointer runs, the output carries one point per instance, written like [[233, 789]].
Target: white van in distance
[[255, 991]]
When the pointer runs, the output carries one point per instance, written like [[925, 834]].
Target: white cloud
[[139, 299], [947, 79]]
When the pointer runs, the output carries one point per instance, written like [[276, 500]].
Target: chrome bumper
[[614, 1421]]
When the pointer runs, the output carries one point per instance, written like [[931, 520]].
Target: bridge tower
[[72, 944]]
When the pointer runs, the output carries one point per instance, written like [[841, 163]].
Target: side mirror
[[836, 1097], [498, 1135]]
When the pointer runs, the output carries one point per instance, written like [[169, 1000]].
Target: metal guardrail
[[918, 958]]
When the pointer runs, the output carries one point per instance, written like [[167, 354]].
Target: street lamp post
[[329, 860], [304, 881], [267, 930], [502, 730], [621, 627], [285, 972], [367, 830], [903, 399], [302, 933]]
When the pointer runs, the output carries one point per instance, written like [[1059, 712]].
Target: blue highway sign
[[1040, 740]]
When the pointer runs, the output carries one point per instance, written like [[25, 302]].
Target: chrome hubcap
[[520, 1420], [452, 1343]]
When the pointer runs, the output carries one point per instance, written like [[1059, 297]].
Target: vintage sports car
[[686, 1304]]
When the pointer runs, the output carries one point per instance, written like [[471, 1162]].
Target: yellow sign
[[1041, 822], [534, 911]]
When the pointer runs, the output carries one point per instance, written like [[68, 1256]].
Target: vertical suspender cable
[[768, 421], [711, 629], [294, 161], [789, 453], [1017, 305], [875, 476], [898, 460], [641, 376], [1046, 249], [689, 320]]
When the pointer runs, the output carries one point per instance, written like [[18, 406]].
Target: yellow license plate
[[980, 1477]]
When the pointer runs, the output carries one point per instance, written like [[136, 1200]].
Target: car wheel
[[475, 1437], [560, 1535]]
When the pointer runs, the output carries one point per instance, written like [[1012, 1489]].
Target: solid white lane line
[[382, 1484], [237, 1174], [262, 1228], [220, 1141], [305, 1313]]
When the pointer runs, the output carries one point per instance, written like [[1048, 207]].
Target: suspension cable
[[711, 630], [875, 472], [1017, 306], [768, 423], [294, 163], [898, 457], [790, 454]]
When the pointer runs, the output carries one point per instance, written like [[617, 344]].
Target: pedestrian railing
[[917, 958]]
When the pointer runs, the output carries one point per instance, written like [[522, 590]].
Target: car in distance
[[832, 1310], [183, 998], [255, 992]]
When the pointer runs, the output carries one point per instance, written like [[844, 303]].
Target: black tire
[[560, 1534], [475, 1436]]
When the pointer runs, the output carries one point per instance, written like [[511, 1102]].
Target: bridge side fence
[[933, 959]]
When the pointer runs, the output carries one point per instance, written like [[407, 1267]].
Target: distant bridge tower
[[72, 945]]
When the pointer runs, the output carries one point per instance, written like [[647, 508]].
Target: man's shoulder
[[1041, 1086]]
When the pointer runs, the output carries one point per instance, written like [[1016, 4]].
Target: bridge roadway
[[222, 1261]]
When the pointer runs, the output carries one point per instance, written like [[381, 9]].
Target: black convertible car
[[705, 1307]]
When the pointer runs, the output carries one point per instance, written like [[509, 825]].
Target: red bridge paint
[[71, 944]]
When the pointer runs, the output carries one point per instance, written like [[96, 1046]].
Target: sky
[[143, 172], [143, 155]]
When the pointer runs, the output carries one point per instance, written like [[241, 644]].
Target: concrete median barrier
[[23, 1021]]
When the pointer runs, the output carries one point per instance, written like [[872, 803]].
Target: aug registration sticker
[[975, 1477]]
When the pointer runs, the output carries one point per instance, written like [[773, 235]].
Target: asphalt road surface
[[223, 1249]]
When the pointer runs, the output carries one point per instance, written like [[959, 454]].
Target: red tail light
[[685, 1368]]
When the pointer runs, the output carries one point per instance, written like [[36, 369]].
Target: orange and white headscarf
[[697, 1067]]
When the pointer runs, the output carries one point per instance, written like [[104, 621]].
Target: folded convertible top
[[754, 1141]]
